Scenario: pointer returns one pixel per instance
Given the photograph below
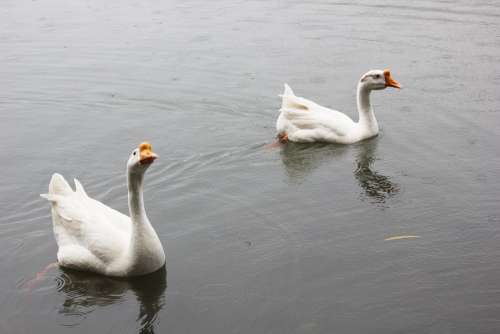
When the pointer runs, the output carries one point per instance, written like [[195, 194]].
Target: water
[[258, 239]]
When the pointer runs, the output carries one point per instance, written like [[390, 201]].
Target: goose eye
[[377, 76], [135, 152]]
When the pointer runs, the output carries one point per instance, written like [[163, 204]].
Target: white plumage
[[302, 120], [94, 237]]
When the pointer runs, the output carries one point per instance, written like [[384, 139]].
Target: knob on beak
[[146, 155], [389, 81]]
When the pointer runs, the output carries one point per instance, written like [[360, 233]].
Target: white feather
[[303, 120], [94, 237]]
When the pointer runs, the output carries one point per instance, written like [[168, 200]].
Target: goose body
[[94, 237], [302, 120]]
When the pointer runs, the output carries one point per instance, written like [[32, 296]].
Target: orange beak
[[389, 81], [146, 155]]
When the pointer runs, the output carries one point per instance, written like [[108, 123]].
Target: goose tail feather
[[286, 97], [59, 186]]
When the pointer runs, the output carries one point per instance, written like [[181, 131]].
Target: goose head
[[141, 158], [378, 79]]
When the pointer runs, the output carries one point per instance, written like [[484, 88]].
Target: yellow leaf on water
[[401, 237]]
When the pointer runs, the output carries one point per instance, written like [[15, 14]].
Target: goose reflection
[[301, 159], [85, 292], [376, 186]]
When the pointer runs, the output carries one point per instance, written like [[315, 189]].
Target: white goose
[[302, 120], [93, 237]]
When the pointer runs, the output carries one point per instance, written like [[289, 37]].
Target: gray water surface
[[258, 239]]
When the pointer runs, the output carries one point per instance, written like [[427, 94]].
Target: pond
[[259, 238]]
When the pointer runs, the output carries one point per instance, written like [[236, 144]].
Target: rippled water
[[258, 239]]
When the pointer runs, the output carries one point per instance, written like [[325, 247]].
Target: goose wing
[[82, 221], [305, 114]]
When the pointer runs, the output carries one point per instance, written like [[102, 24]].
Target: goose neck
[[135, 197], [367, 118], [363, 98]]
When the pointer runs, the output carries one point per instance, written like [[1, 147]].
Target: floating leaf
[[401, 237]]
